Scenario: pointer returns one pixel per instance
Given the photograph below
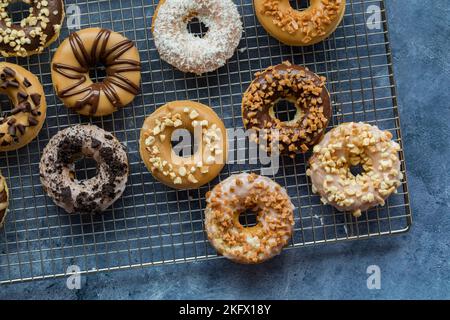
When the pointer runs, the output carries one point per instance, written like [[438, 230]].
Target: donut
[[34, 33], [275, 218], [57, 169], [300, 27], [24, 121], [298, 85], [355, 144], [4, 200], [184, 50], [86, 49], [172, 169]]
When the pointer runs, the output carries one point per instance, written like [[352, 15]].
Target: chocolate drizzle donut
[[35, 32], [295, 84], [4, 200], [27, 114], [57, 169], [82, 51]]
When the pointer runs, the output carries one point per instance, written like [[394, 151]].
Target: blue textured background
[[415, 265]]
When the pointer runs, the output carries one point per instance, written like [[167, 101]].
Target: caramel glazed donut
[[4, 200], [34, 33], [57, 169], [22, 124], [184, 50], [295, 84], [275, 217], [300, 28], [82, 51], [354, 144], [172, 169]]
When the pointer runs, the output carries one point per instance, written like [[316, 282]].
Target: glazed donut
[[355, 144], [300, 28], [4, 200], [172, 169], [34, 33], [57, 169], [275, 217], [295, 84], [27, 116], [84, 50], [187, 52]]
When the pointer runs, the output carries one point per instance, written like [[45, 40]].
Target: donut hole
[[197, 28], [85, 168], [17, 11], [248, 218], [300, 5], [98, 73], [5, 105], [357, 170], [183, 143], [285, 110]]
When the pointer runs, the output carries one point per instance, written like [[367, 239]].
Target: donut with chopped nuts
[[305, 90], [82, 51], [188, 52], [57, 169], [349, 145], [176, 170], [35, 32], [24, 121], [4, 200], [300, 27], [275, 218]]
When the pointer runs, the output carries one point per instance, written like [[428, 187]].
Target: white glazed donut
[[57, 169], [184, 50], [275, 217], [353, 144]]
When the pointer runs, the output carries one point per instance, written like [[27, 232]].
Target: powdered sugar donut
[[184, 50]]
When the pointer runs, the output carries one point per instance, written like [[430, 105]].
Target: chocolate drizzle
[[88, 58]]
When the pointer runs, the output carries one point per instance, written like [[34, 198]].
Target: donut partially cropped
[[300, 27], [275, 218], [184, 50], [28, 107], [355, 144], [297, 84], [172, 169], [34, 33], [82, 51], [57, 169], [4, 200]]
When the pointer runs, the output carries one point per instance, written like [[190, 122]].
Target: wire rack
[[152, 224]]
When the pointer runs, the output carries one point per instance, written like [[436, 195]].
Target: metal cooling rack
[[151, 224]]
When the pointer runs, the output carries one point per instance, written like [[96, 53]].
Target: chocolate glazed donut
[[82, 51], [35, 32], [295, 84]]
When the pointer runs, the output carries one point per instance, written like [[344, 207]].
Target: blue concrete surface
[[415, 265]]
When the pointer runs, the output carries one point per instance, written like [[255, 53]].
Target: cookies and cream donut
[[84, 50], [4, 200], [300, 27], [355, 144], [175, 170], [57, 169], [35, 32], [24, 121], [275, 218], [298, 85], [184, 50]]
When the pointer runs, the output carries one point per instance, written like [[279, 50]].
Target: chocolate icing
[[88, 58]]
